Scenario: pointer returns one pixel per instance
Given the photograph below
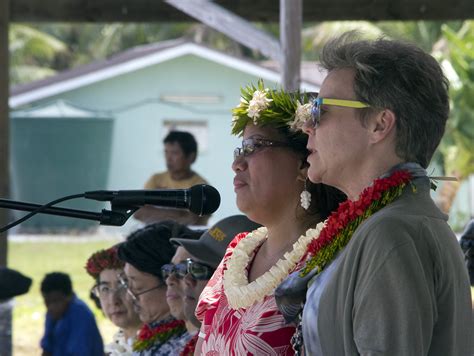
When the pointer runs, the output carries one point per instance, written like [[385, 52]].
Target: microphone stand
[[115, 217]]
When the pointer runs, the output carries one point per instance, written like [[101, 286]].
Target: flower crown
[[263, 106], [103, 259]]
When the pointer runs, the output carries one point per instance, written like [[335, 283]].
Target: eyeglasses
[[197, 270], [317, 110], [251, 145], [134, 295], [104, 291]]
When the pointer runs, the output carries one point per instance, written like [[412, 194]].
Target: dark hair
[[56, 282], [186, 141], [401, 77], [95, 298], [149, 248]]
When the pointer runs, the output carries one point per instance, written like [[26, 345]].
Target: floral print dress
[[257, 330]]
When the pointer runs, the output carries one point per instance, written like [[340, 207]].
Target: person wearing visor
[[194, 264], [144, 253], [105, 267]]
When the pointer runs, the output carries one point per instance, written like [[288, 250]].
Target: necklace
[[242, 294], [190, 346], [157, 335], [342, 223]]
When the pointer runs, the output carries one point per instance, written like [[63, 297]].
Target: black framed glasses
[[105, 291], [196, 270], [135, 295], [317, 110], [250, 145]]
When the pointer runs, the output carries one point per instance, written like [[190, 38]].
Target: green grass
[[35, 259]]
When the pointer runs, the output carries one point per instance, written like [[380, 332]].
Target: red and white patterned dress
[[257, 330]]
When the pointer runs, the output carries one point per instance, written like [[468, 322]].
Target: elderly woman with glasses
[[237, 308], [105, 267], [144, 253]]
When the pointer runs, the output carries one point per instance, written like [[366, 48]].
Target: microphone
[[201, 199]]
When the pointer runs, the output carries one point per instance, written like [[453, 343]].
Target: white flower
[[302, 114], [119, 346], [259, 102]]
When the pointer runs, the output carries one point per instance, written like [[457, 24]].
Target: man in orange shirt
[[180, 153]]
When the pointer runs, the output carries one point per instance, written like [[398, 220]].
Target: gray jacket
[[401, 287]]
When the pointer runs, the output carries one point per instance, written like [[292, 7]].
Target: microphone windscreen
[[205, 199]]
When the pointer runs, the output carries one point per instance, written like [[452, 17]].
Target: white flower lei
[[119, 346], [242, 294]]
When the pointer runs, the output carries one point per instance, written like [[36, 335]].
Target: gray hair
[[399, 76]]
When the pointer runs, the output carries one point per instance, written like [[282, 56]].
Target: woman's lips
[[238, 183], [117, 313], [172, 296]]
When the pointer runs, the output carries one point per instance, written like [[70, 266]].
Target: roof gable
[[135, 59]]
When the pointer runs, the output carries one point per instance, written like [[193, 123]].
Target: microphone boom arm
[[115, 217]]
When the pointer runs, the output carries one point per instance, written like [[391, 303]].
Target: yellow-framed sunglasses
[[316, 108]]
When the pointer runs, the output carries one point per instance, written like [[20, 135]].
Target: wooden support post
[[5, 307], [291, 15], [4, 123]]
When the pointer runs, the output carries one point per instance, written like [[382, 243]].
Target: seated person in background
[[144, 253], [194, 263], [105, 267], [180, 153], [70, 327], [12, 283]]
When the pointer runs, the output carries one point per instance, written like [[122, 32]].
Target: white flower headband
[[263, 106]]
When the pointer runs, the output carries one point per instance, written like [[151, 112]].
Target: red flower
[[147, 337], [103, 259]]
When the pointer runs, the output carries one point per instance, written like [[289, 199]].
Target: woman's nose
[[239, 163]]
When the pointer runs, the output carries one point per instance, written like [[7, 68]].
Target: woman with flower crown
[[237, 308], [105, 267]]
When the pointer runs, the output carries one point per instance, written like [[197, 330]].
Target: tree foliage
[[457, 57]]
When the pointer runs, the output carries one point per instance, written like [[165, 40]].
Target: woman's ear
[[303, 172]]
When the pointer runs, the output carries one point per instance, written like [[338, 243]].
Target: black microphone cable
[[39, 210]]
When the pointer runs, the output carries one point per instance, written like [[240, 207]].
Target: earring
[[305, 198]]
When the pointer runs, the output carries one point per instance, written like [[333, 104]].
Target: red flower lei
[[341, 224], [147, 336], [190, 346]]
